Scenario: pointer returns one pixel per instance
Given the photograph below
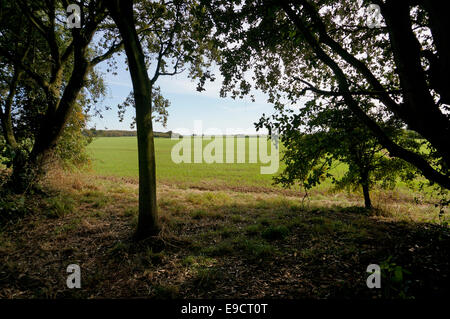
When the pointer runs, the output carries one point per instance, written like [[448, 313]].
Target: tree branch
[[17, 61], [394, 149], [113, 49], [162, 52], [349, 58], [339, 93]]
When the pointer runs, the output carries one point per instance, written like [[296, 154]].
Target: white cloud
[[120, 83]]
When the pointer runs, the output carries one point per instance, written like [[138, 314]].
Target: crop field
[[117, 156]]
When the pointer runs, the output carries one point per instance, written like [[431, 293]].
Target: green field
[[118, 156]]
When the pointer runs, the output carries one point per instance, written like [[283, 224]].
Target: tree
[[172, 40], [70, 151], [332, 136], [50, 64], [325, 48]]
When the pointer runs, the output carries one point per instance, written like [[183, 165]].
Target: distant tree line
[[117, 133]]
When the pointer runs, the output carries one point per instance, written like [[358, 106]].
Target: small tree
[[331, 137]]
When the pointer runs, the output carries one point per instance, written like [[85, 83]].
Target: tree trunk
[[21, 176], [366, 189], [122, 13], [28, 169], [18, 180], [367, 202], [5, 116], [424, 115]]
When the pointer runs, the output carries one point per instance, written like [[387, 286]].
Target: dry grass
[[218, 243]]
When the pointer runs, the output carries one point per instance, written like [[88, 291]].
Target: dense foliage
[[325, 52], [48, 80]]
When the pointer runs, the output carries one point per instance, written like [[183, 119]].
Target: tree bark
[[367, 202], [5, 116], [122, 13], [366, 189]]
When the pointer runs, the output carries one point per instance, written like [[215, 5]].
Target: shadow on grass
[[219, 245]]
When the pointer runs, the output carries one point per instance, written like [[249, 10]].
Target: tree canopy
[[297, 51], [48, 71]]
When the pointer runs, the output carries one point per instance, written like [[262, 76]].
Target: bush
[[71, 149]]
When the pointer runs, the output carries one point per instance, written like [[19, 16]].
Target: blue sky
[[186, 104]]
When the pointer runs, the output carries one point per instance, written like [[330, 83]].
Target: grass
[[279, 247], [226, 233], [124, 163], [117, 156]]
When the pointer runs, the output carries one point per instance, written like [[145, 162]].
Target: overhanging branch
[[394, 149]]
